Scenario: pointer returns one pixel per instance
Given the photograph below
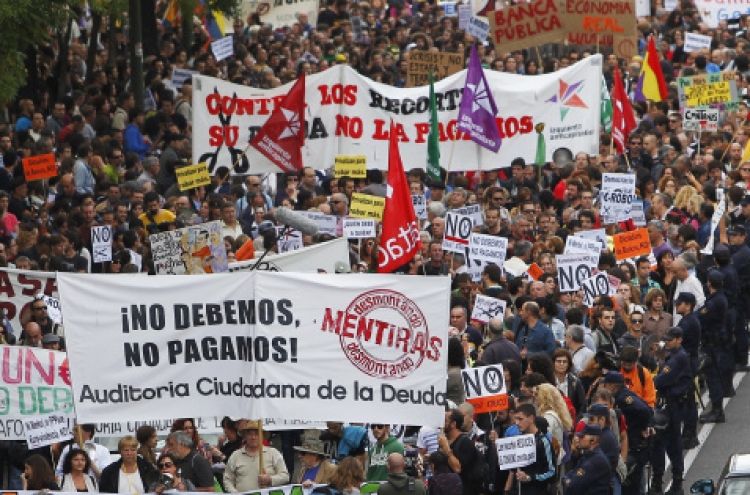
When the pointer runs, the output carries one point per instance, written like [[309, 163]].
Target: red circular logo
[[384, 334]]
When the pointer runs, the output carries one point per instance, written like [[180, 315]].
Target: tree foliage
[[24, 24]]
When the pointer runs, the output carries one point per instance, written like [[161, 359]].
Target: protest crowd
[[607, 381]]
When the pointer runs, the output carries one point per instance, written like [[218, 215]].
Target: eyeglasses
[[497, 198], [39, 308], [165, 465], [333, 202], [377, 427], [561, 361], [293, 179], [672, 121], [636, 322], [528, 211]]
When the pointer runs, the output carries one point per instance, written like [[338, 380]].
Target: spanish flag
[[651, 84]]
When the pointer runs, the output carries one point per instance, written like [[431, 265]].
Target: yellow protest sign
[[354, 166], [193, 176], [366, 206], [707, 94]]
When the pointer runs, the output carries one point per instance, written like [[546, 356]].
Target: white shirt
[[100, 459], [233, 232], [130, 483], [693, 286]]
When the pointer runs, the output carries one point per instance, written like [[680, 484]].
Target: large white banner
[[365, 489], [371, 347], [349, 114], [303, 346], [315, 258], [18, 288], [713, 12]]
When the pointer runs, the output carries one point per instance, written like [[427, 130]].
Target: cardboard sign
[[420, 205], [194, 250], [625, 46], [575, 244], [355, 228], [39, 167], [527, 24], [289, 239], [486, 308], [464, 14], [179, 76], [485, 388], [367, 206], [327, 224], [642, 8], [637, 213], [442, 65], [489, 248], [535, 271], [599, 235], [632, 244], [572, 269], [515, 452], [45, 430], [595, 22], [617, 195], [478, 28], [223, 48], [598, 285], [458, 230], [354, 166], [192, 176], [54, 312], [101, 242], [701, 119], [707, 89], [696, 42], [473, 211]]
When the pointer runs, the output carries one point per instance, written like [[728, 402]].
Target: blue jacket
[[134, 141], [591, 474], [537, 340]]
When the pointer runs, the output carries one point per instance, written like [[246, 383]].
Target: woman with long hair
[[76, 476], [512, 372], [542, 364], [567, 382], [167, 465], [551, 405], [201, 446], [147, 438], [664, 276], [631, 294], [38, 474], [349, 476], [368, 253]]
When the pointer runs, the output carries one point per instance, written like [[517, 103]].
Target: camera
[[166, 480], [411, 456]]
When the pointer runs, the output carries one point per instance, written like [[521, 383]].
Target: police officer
[[599, 414], [592, 472], [738, 241], [638, 417], [673, 383], [691, 342], [735, 321], [714, 336]]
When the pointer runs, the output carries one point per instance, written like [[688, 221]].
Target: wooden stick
[[597, 42], [80, 436], [627, 160], [730, 143], [450, 158], [260, 451]]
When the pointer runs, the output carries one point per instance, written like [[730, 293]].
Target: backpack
[[326, 490]]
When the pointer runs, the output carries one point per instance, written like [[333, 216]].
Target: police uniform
[[592, 473], [735, 321], [714, 334], [741, 262], [691, 342], [638, 418], [673, 383]]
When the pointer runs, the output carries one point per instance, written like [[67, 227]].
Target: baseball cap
[[598, 410], [614, 377], [673, 333], [737, 229], [590, 430], [721, 252], [50, 338], [745, 201]]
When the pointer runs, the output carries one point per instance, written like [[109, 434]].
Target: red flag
[[623, 120], [282, 136], [400, 240]]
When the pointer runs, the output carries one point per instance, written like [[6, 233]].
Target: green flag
[[433, 142], [606, 104]]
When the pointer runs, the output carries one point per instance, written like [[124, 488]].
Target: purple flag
[[476, 117]]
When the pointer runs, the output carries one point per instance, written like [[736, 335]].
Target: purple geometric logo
[[567, 97]]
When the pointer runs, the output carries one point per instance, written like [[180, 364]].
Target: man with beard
[[378, 455]]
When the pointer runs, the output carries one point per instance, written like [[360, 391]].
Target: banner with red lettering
[[349, 114], [18, 288]]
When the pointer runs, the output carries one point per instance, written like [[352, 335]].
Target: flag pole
[[739, 128], [450, 158]]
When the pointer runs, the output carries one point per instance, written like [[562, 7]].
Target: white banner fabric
[[18, 288], [213, 341], [310, 259], [349, 114]]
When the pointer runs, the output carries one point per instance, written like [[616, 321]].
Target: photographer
[[399, 481], [169, 476]]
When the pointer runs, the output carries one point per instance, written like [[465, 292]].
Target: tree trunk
[[136, 52], [96, 24], [62, 67], [186, 13], [148, 28]]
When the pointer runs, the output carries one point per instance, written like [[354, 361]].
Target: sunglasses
[[498, 198], [335, 202], [165, 465], [377, 427], [634, 322]]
